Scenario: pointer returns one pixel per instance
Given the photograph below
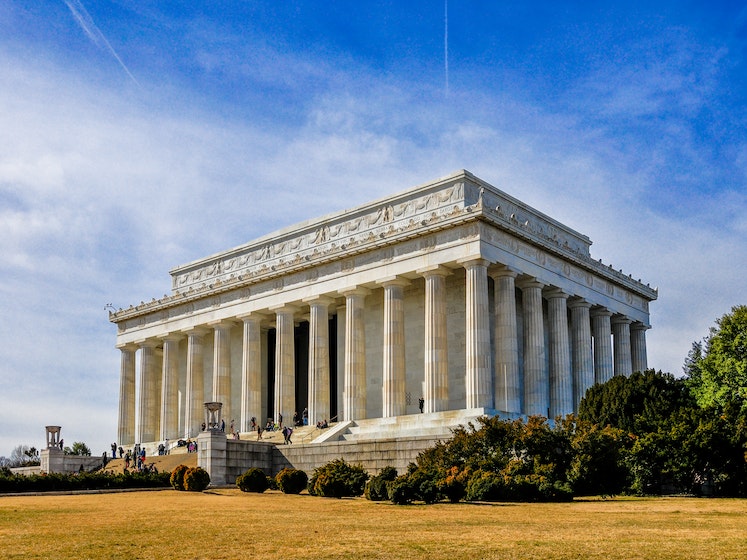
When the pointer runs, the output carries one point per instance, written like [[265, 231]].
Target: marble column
[[393, 362], [149, 397], [222, 366], [436, 358], [638, 346], [354, 383], [126, 423], [536, 378], [603, 365], [285, 364], [478, 379], [581, 349], [561, 382], [170, 388], [621, 348], [251, 371], [195, 386], [507, 381], [319, 389]]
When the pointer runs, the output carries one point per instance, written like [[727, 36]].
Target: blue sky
[[137, 136]]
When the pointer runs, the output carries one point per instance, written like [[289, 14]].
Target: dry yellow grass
[[224, 524]]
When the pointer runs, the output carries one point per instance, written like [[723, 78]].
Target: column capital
[[600, 312], [222, 323], [467, 262], [502, 271], [529, 282], [621, 320], [355, 291], [199, 331], [434, 270], [551, 292], [284, 308], [147, 343], [171, 336], [638, 326], [393, 281], [575, 301], [319, 300], [128, 346], [252, 316]]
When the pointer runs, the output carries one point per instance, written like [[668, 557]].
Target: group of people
[[137, 458], [303, 421]]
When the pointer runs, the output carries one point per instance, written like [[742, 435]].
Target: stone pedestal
[[211, 456]]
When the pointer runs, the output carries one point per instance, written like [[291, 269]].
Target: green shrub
[[291, 481], [177, 477], [454, 485], [81, 481], [376, 488], [253, 480], [486, 486], [338, 479], [196, 480], [401, 490]]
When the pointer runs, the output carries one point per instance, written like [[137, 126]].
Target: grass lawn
[[221, 524]]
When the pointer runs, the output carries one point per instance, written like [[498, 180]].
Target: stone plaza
[[446, 301]]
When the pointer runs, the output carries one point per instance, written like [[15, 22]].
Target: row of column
[[577, 358]]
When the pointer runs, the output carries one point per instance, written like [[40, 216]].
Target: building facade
[[452, 292]]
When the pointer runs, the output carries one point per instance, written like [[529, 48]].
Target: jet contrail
[[94, 34], [446, 44]]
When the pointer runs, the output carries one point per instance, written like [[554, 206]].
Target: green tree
[[78, 448], [717, 368], [635, 404]]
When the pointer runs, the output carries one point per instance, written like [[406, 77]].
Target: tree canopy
[[716, 368]]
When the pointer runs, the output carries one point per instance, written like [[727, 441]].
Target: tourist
[[268, 426], [305, 416], [287, 432], [127, 459], [114, 450], [259, 433], [280, 420], [121, 452], [421, 404], [232, 424], [62, 442], [223, 425], [295, 419], [253, 423], [203, 426]]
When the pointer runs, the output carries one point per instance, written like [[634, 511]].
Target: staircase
[[435, 425]]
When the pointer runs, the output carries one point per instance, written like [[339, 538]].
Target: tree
[[23, 456], [716, 369], [78, 448], [636, 404]]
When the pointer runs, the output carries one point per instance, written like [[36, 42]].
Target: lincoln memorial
[[452, 292]]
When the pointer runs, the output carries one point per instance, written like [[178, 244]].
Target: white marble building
[[452, 291]]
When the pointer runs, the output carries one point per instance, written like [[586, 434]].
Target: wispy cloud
[[86, 23]]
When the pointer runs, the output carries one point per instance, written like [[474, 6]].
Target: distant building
[[452, 291]]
